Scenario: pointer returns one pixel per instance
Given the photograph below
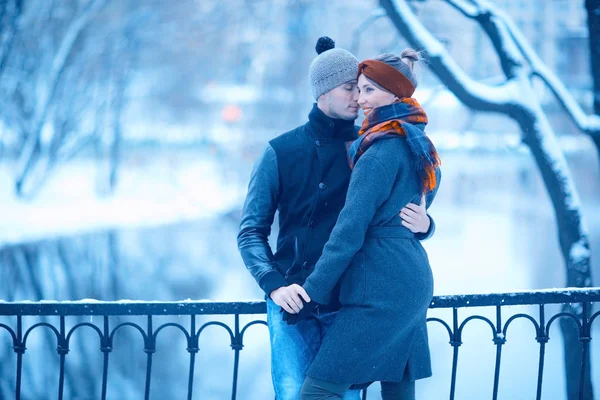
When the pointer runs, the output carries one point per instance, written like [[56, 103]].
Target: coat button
[[305, 265], [319, 143], [322, 186], [312, 224]]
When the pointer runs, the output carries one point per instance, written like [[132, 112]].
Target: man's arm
[[426, 234], [416, 217], [257, 218]]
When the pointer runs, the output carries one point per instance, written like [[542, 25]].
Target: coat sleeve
[[257, 218], [370, 185], [428, 200]]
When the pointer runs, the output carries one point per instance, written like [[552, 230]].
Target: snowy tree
[[515, 98], [64, 72]]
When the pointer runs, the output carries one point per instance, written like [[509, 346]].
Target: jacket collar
[[323, 126]]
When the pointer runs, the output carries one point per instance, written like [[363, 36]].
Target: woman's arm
[[370, 185]]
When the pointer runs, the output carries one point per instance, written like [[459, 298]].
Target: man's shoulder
[[290, 138], [292, 132]]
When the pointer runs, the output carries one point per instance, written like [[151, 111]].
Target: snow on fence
[[62, 319]]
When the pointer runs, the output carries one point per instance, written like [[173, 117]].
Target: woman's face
[[371, 96]]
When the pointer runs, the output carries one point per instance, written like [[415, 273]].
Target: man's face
[[341, 102]]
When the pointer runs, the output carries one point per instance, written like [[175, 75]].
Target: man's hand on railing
[[291, 298], [307, 309]]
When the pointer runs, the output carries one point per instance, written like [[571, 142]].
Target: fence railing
[[577, 306]]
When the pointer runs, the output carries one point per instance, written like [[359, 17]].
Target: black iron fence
[[577, 305]]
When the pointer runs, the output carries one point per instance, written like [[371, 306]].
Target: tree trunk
[[572, 242], [593, 13]]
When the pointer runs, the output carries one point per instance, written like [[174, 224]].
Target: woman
[[386, 284]]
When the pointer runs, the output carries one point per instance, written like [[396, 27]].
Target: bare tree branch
[[589, 124], [511, 60], [468, 9], [517, 48], [472, 93]]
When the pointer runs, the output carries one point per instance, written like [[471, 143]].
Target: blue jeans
[[293, 349]]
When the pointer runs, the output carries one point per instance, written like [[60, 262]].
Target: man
[[304, 174]]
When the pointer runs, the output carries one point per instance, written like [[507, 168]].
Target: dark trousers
[[314, 389]]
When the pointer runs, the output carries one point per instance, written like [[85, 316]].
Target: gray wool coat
[[386, 283]]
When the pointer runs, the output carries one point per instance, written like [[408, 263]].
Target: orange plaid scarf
[[407, 118]]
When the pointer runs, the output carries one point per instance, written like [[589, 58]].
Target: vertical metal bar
[[19, 349], [237, 346], [364, 394], [193, 349], [585, 337], [499, 340], [62, 351], [191, 374], [106, 349], [455, 342], [150, 349], [542, 339]]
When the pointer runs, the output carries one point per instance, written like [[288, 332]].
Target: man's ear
[[322, 100]]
